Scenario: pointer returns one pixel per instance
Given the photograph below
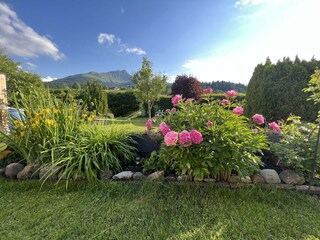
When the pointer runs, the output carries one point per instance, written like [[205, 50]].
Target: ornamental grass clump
[[210, 139], [46, 122], [58, 135]]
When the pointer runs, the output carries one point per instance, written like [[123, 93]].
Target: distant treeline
[[223, 86]]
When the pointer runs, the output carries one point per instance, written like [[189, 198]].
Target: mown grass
[[127, 210], [130, 124]]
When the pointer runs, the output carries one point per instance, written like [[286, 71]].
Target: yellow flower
[[22, 134], [46, 110], [21, 124], [55, 110], [49, 122], [84, 115], [33, 125], [70, 118], [90, 119], [16, 122]]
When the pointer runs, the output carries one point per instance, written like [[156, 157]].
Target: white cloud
[[244, 3], [277, 33], [106, 38], [109, 39], [17, 38], [48, 79], [31, 66], [137, 51]]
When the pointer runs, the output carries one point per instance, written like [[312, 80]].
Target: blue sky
[[210, 39]]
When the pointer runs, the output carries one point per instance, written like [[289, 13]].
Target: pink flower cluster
[[274, 126], [238, 110], [209, 123], [185, 138], [149, 124], [171, 138], [189, 100], [225, 102], [232, 94], [164, 128], [207, 90], [176, 99], [258, 119]]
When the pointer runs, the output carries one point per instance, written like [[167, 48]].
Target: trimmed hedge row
[[122, 104]]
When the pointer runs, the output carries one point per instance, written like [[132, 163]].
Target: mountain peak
[[117, 78]]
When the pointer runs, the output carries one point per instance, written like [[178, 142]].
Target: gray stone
[[170, 178], [291, 177], [29, 171], [315, 189], [234, 179], [185, 178], [302, 187], [270, 176], [158, 175], [48, 172], [258, 179], [125, 175], [106, 174], [209, 180], [284, 186], [246, 179], [138, 176], [197, 179], [13, 169]]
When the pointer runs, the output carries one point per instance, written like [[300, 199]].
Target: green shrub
[[228, 144], [122, 104], [275, 90], [296, 148]]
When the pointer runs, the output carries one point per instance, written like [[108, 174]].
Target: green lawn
[[132, 125], [127, 210]]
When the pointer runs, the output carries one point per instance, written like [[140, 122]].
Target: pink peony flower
[[275, 127], [258, 119], [149, 124], [207, 90], [238, 110], [232, 93], [189, 100], [173, 109], [196, 137], [171, 138], [225, 102], [209, 123], [164, 128], [176, 99], [185, 138]]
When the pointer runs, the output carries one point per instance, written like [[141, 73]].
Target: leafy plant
[[91, 150], [228, 142], [296, 148], [47, 122]]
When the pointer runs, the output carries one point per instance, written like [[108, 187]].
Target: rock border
[[267, 178]]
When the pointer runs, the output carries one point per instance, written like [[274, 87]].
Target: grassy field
[[127, 210], [132, 125]]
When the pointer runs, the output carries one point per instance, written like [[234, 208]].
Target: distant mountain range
[[109, 79]]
